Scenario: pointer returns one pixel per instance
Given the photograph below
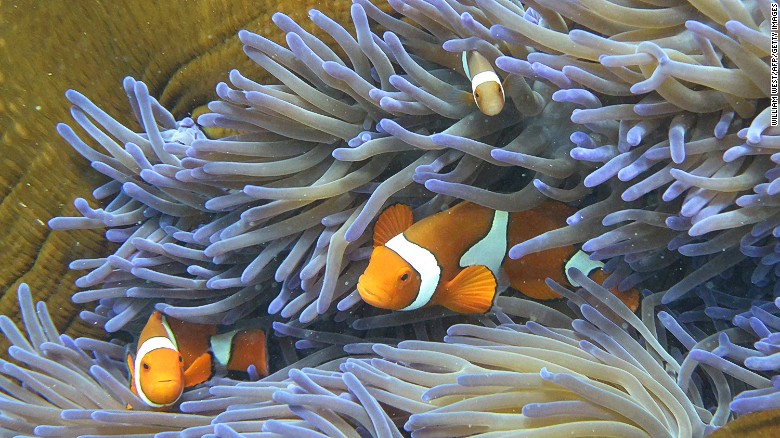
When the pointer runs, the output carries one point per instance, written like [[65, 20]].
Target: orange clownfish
[[455, 257], [485, 83], [173, 355]]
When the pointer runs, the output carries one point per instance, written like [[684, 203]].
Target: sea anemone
[[650, 119], [666, 93], [595, 377], [320, 155], [201, 221], [735, 351], [61, 386], [610, 376]]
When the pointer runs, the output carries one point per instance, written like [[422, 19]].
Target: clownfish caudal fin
[[471, 291], [200, 371], [392, 222], [240, 349]]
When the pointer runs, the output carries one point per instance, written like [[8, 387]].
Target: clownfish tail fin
[[249, 351], [471, 291], [242, 349], [392, 222]]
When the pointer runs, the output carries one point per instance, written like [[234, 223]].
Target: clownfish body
[[455, 258], [485, 84], [173, 355]]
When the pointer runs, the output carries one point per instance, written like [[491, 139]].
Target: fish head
[[161, 374], [489, 97], [389, 282]]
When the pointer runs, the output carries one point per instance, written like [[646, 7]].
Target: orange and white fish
[[455, 258], [485, 83], [173, 355]]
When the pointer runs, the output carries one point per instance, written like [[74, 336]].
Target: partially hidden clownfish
[[173, 355], [455, 258], [485, 83]]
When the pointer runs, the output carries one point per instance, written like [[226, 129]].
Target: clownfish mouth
[[370, 297], [365, 291], [164, 381]]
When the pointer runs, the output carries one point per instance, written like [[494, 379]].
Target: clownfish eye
[[146, 366], [404, 277], [180, 359]]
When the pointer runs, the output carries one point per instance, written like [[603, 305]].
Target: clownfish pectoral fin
[[392, 222], [131, 369], [471, 291], [200, 371]]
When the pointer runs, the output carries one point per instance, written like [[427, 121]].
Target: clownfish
[[173, 355], [485, 83], [456, 257]]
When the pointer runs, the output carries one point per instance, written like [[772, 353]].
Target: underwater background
[[649, 118]]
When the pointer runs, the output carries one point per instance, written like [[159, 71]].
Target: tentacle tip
[[518, 251], [162, 307], [278, 16]]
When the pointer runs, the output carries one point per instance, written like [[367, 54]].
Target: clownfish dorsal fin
[[156, 326], [471, 291], [237, 350], [200, 371], [392, 222]]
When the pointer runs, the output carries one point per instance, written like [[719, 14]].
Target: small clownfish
[[485, 83], [173, 355], [454, 258]]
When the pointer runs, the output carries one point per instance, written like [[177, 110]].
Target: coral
[[759, 425]]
